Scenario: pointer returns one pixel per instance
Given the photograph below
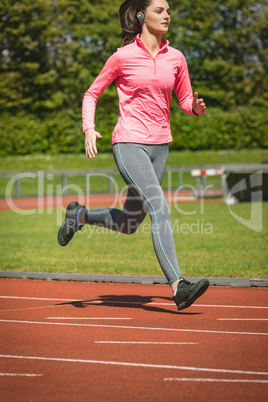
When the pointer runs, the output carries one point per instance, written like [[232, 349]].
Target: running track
[[94, 200], [65, 341]]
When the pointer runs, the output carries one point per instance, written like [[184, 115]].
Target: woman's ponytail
[[130, 24]]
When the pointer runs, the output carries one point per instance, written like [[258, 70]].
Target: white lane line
[[226, 306], [242, 319], [216, 380], [132, 327], [130, 302], [149, 343], [28, 308], [35, 298], [87, 318], [19, 375], [145, 365]]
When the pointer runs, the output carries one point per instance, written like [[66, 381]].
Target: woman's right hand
[[90, 142]]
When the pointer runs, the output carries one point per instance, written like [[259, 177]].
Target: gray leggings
[[142, 167]]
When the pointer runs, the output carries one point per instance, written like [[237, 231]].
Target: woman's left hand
[[198, 105]]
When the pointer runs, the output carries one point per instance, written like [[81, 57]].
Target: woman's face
[[157, 17]]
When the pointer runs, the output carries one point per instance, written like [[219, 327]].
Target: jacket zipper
[[153, 58], [144, 48], [154, 66]]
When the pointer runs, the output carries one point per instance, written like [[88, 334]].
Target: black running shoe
[[69, 226], [188, 292]]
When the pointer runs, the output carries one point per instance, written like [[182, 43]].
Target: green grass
[[98, 184], [29, 186], [105, 160], [209, 242], [225, 248]]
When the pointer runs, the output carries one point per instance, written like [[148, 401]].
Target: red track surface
[[91, 200], [121, 342]]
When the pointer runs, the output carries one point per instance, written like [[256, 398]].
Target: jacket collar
[[164, 45]]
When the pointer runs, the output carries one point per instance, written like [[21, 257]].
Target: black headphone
[[141, 17]]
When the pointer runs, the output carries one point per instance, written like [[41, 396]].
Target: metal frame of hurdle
[[240, 182], [202, 174]]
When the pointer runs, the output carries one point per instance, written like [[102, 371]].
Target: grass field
[[29, 186], [209, 242], [76, 184], [105, 160]]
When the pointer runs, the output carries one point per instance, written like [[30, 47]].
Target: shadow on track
[[129, 301]]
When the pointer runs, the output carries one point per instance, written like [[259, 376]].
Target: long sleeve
[[183, 88], [108, 74]]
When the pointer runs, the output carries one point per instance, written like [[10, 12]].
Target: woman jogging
[[146, 70]]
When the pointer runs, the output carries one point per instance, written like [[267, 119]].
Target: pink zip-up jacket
[[144, 86]]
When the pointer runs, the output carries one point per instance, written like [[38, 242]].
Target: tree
[[30, 38], [51, 51], [225, 42]]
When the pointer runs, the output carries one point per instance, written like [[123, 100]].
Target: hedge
[[62, 133]]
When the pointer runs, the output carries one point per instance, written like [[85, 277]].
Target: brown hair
[[130, 24]]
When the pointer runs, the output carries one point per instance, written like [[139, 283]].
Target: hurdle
[[202, 174]]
